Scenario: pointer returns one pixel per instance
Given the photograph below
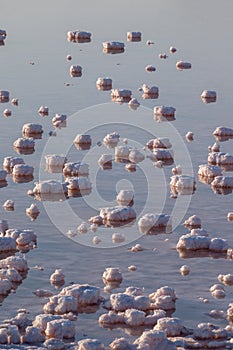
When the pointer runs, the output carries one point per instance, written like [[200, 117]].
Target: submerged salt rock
[[125, 197], [22, 170], [90, 344], [172, 326], [33, 335], [149, 222], [43, 110], [24, 143], [112, 274], [193, 221], [118, 213], [136, 156], [209, 171], [183, 65], [53, 160], [76, 169], [118, 237], [43, 293], [82, 228], [7, 112], [9, 204], [31, 128], [159, 142], [75, 71]]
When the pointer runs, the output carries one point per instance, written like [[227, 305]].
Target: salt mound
[[220, 158], [196, 242], [172, 326], [162, 154], [226, 279], [154, 339], [125, 197], [112, 139], [43, 110], [183, 65], [113, 45], [10, 162], [189, 136], [122, 152], [104, 83], [117, 213], [76, 169], [24, 143], [17, 262], [59, 120], [133, 103], [54, 160], [75, 71], [150, 92], [5, 286], [136, 156], [78, 184], [22, 170], [208, 96], [84, 294], [3, 225], [79, 36], [90, 344], [222, 182], [60, 328], [223, 131], [32, 211], [3, 175], [159, 142], [7, 112], [209, 171], [164, 113], [105, 161], [4, 95], [121, 95], [8, 204], [134, 36], [82, 139], [48, 186], [31, 128], [182, 184], [112, 274], [154, 222], [193, 222]]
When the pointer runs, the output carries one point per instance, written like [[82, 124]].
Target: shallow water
[[202, 35]]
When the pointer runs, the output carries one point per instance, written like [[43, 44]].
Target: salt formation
[[125, 197], [10, 162], [121, 95], [113, 46], [177, 170], [75, 71], [3, 175], [222, 133], [230, 216], [105, 161], [189, 136], [150, 92], [90, 344], [22, 170], [217, 291], [182, 184], [209, 171], [83, 141], [150, 68], [172, 326], [111, 140], [96, 240], [33, 335], [193, 222], [68, 57], [163, 55], [22, 237], [17, 262], [136, 156], [82, 228], [164, 112], [32, 129], [159, 142], [180, 65], [79, 36], [57, 277], [32, 211], [130, 167], [9, 204], [226, 279], [43, 110], [78, 184], [15, 101], [104, 84], [149, 42], [23, 143], [112, 275], [172, 49], [48, 186], [118, 237], [117, 214], [133, 103], [7, 112], [59, 120], [122, 152], [162, 154], [7, 244], [184, 270], [214, 148], [150, 223], [222, 182], [208, 96], [132, 268], [192, 241], [4, 96], [137, 248], [75, 169], [134, 36]]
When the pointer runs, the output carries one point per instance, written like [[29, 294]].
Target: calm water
[[202, 34]]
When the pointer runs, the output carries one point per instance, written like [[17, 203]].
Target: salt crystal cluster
[[7, 112], [55, 160], [150, 223], [136, 156], [125, 197], [59, 120], [3, 225], [184, 270], [133, 103], [4, 96], [189, 136], [194, 242], [24, 143], [165, 112], [75, 169], [209, 171], [32, 211], [180, 65], [75, 71], [172, 326], [150, 92], [208, 96], [223, 131], [43, 110], [112, 275], [82, 139], [113, 46], [22, 170], [159, 142], [122, 152], [220, 158], [105, 161], [121, 95], [134, 36], [117, 214], [57, 277], [193, 222], [150, 68], [111, 140], [22, 237], [226, 279], [182, 184], [222, 182], [78, 184], [48, 186], [104, 83], [32, 129], [118, 237], [79, 36], [10, 162], [9, 204]]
